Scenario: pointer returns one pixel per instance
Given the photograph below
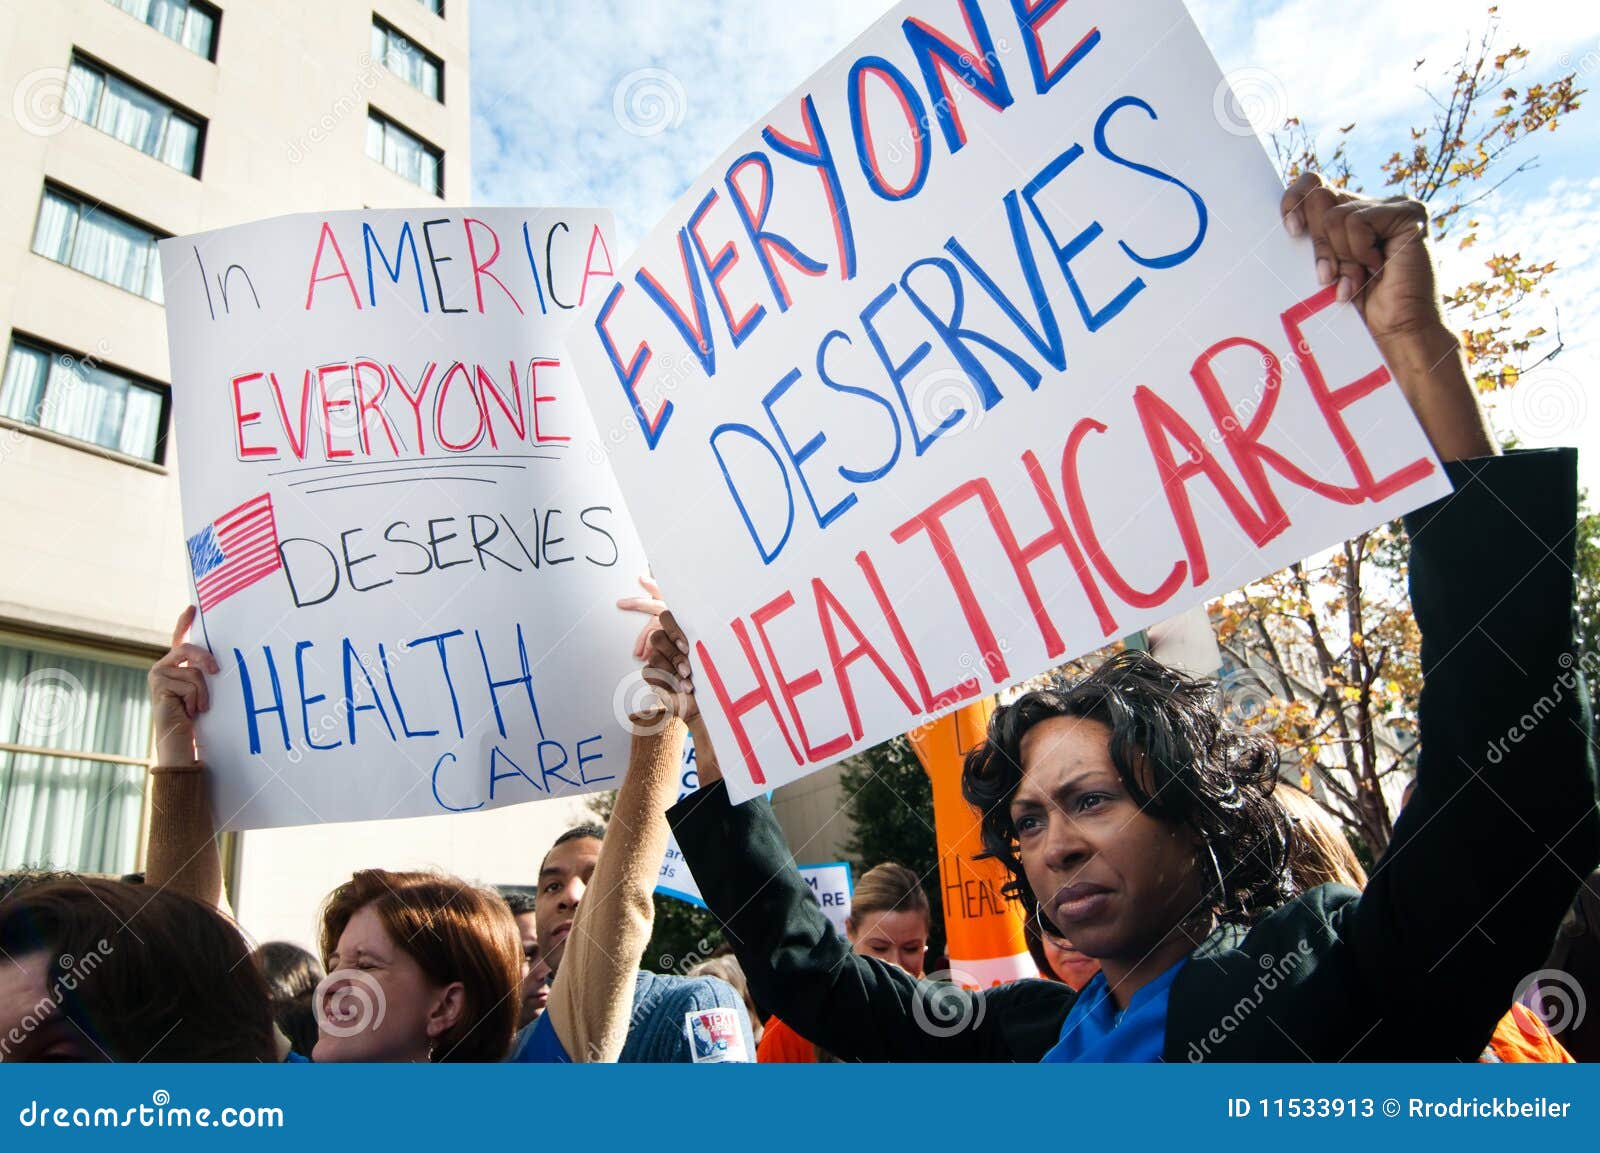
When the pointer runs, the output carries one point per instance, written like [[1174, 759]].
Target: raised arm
[[1502, 826], [591, 1000], [181, 853], [857, 1008]]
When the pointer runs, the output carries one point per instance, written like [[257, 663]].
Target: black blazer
[[1484, 861]]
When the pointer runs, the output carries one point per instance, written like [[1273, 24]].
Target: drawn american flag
[[234, 551]]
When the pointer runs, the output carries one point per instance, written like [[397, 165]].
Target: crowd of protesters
[[1183, 901]]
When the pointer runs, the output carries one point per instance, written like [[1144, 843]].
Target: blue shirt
[[659, 1028], [1095, 1031]]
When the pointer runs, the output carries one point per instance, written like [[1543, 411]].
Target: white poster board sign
[[675, 880], [405, 541], [829, 883], [985, 346]]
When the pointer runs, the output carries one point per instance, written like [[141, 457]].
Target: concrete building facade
[[132, 120]]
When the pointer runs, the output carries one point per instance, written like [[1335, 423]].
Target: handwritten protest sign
[[829, 883], [675, 880], [983, 347], [405, 542]]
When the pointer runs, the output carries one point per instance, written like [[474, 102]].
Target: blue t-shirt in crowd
[[1095, 1031], [660, 1027]]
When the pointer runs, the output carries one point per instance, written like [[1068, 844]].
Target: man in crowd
[[669, 1012], [536, 975]]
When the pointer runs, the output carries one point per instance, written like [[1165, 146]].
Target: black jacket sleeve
[[857, 1008], [1502, 827]]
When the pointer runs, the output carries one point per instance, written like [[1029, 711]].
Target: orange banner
[[984, 931]]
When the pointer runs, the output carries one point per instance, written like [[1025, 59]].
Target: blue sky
[[623, 103]]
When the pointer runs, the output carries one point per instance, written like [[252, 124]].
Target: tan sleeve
[[181, 855], [591, 1000]]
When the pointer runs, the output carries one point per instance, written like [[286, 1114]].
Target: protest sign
[[984, 347], [675, 880], [830, 883], [405, 542]]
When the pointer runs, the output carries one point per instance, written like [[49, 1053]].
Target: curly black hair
[[1179, 760]]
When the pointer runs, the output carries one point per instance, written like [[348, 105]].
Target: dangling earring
[[1222, 886], [1038, 919], [433, 1051]]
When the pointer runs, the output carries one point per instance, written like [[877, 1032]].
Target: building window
[[434, 6], [71, 395], [417, 67], [99, 242], [133, 115], [74, 745], [189, 22], [401, 152]]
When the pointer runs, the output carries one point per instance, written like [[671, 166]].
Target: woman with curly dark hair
[[1166, 827], [1135, 823]]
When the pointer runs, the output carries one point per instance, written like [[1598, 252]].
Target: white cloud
[[546, 128], [545, 95], [1343, 63]]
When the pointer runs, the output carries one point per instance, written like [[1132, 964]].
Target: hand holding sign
[[178, 693], [404, 538], [1378, 251], [982, 348], [667, 667]]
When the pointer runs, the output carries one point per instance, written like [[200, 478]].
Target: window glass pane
[[198, 32], [64, 812], [131, 116], [84, 403], [153, 287], [410, 157], [52, 236], [180, 20], [406, 60], [402, 59], [111, 250], [166, 17], [60, 392], [404, 154], [137, 118], [83, 91], [179, 145], [22, 387], [141, 423]]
